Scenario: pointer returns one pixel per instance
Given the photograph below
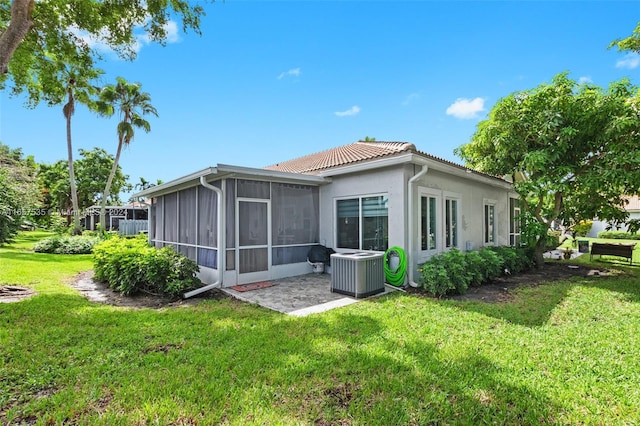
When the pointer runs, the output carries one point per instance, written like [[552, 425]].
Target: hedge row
[[131, 265], [453, 272], [60, 244], [618, 235]]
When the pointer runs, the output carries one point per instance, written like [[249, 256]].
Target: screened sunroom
[[264, 225]]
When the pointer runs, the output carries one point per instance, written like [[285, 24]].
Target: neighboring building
[[134, 211], [633, 207], [361, 196]]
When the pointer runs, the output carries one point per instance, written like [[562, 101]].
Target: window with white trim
[[363, 223], [451, 222], [428, 222], [514, 222], [489, 225]]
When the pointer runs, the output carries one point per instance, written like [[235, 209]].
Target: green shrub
[[445, 273], [454, 272], [131, 265], [434, 277], [491, 266], [582, 228], [514, 260], [475, 268], [618, 235], [66, 245]]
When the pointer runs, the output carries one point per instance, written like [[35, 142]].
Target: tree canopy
[[572, 149], [92, 170], [19, 194], [629, 44], [39, 38]]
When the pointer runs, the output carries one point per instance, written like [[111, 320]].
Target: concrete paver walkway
[[299, 296]]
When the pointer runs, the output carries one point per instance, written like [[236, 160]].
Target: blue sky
[[271, 81]]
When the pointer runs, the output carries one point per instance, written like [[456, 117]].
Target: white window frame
[[491, 204], [451, 196], [360, 217], [514, 222], [438, 232]]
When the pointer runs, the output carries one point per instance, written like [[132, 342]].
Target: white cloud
[[410, 98], [99, 41], [585, 79], [92, 41], [466, 108], [172, 34], [351, 111], [294, 72], [631, 61]]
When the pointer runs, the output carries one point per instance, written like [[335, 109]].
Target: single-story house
[[244, 225], [132, 211], [632, 207]]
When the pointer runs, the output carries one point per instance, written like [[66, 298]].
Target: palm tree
[[132, 104], [77, 88]]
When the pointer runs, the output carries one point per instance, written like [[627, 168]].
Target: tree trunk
[[539, 252], [107, 188], [77, 230], [19, 26]]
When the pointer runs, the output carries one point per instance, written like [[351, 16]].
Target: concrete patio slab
[[299, 296]]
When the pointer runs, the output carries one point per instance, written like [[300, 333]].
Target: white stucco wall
[[599, 226], [393, 182], [389, 181]]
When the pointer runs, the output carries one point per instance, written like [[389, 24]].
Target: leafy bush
[[618, 235], [454, 272], [552, 240], [66, 245], [131, 265], [582, 228], [445, 273], [475, 268], [491, 266], [514, 260]]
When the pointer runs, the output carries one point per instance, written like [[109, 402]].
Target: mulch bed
[[100, 292], [498, 290]]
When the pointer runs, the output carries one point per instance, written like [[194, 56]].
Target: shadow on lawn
[[248, 365], [532, 306], [30, 256]]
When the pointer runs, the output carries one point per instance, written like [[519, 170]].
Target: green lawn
[[606, 259], [563, 353]]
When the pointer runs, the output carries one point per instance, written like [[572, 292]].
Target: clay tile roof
[[340, 156]]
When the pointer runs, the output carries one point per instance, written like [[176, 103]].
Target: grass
[[606, 258], [562, 353]]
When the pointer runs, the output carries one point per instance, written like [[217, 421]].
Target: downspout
[[218, 282], [422, 172]]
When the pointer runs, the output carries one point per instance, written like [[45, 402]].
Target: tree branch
[[17, 30], [538, 209]]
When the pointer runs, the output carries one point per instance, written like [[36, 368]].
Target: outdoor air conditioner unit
[[357, 274]]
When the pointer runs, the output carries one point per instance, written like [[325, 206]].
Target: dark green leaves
[[576, 145], [66, 33]]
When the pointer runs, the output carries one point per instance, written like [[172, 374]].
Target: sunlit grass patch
[[558, 353]]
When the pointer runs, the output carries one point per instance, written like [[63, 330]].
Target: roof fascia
[[168, 186], [252, 173], [466, 173], [411, 158], [225, 170]]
